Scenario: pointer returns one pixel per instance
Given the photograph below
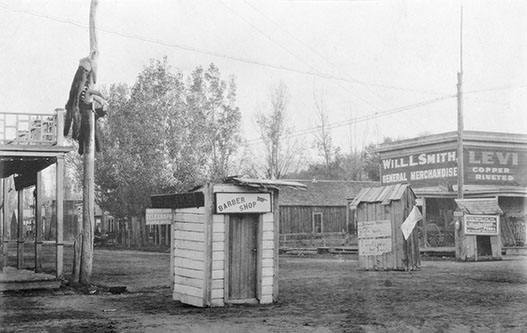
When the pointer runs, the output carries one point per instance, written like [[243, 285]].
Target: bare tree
[[281, 150], [322, 137]]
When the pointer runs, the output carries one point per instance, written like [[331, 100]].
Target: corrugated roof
[[263, 183], [322, 192], [384, 194], [480, 206]]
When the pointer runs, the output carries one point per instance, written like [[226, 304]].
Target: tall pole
[[460, 162], [88, 194]]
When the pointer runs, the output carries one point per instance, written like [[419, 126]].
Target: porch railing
[[31, 128]]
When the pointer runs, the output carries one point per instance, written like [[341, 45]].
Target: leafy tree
[[212, 100], [162, 135], [371, 162]]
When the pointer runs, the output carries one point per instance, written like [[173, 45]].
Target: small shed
[[224, 244], [380, 212], [478, 233]]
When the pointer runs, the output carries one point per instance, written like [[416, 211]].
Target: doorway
[[484, 246], [243, 255]]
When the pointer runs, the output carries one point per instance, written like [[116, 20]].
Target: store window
[[317, 223]]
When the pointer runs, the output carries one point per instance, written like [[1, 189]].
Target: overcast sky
[[386, 68]]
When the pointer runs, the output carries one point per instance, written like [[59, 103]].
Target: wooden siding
[[404, 255], [299, 219], [189, 252], [218, 260]]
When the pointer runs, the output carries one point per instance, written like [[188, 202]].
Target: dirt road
[[317, 294]]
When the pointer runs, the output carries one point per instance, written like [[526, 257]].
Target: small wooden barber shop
[[224, 244]]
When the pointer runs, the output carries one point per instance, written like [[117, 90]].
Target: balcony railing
[[32, 128]]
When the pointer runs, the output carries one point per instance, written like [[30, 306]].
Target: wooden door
[[243, 233]]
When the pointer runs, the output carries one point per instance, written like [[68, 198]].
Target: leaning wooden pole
[[89, 170]]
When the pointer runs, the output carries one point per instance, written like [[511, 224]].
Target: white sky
[[368, 57]]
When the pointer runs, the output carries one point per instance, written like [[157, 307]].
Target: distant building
[[318, 216], [495, 166]]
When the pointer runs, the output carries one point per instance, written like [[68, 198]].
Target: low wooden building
[[225, 241], [317, 216], [380, 212], [478, 234]]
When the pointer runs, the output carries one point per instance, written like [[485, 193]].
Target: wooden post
[[77, 246], [209, 211], [59, 203], [20, 239], [2, 204], [38, 224], [6, 221], [276, 213], [88, 193]]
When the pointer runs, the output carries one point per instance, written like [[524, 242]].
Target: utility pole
[[460, 162], [88, 187]]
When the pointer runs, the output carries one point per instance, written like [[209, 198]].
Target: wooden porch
[[29, 143]]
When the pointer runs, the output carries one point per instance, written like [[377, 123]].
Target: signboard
[[433, 167], [375, 237], [374, 246], [227, 203], [495, 166], [374, 229], [156, 216], [483, 166], [178, 200], [482, 225]]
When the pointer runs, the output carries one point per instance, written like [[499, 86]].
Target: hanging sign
[[375, 237], [486, 225], [228, 203], [156, 216]]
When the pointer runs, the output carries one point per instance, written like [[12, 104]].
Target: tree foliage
[[359, 166], [165, 134]]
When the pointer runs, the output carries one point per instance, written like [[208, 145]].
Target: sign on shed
[[227, 203], [375, 237], [485, 225], [156, 216]]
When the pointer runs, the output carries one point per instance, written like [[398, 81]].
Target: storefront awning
[[479, 206], [472, 191]]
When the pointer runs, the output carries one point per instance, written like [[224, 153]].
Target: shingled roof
[[322, 192]]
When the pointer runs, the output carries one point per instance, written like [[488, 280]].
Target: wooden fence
[[314, 240]]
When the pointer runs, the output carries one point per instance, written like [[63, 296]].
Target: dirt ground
[[317, 294]]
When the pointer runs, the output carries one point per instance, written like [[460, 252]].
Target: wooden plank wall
[[189, 255], [299, 219], [218, 259]]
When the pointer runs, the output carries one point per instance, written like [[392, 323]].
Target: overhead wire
[[206, 52], [362, 118]]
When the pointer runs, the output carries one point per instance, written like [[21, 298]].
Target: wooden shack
[[318, 216], [478, 229], [380, 212], [224, 246]]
